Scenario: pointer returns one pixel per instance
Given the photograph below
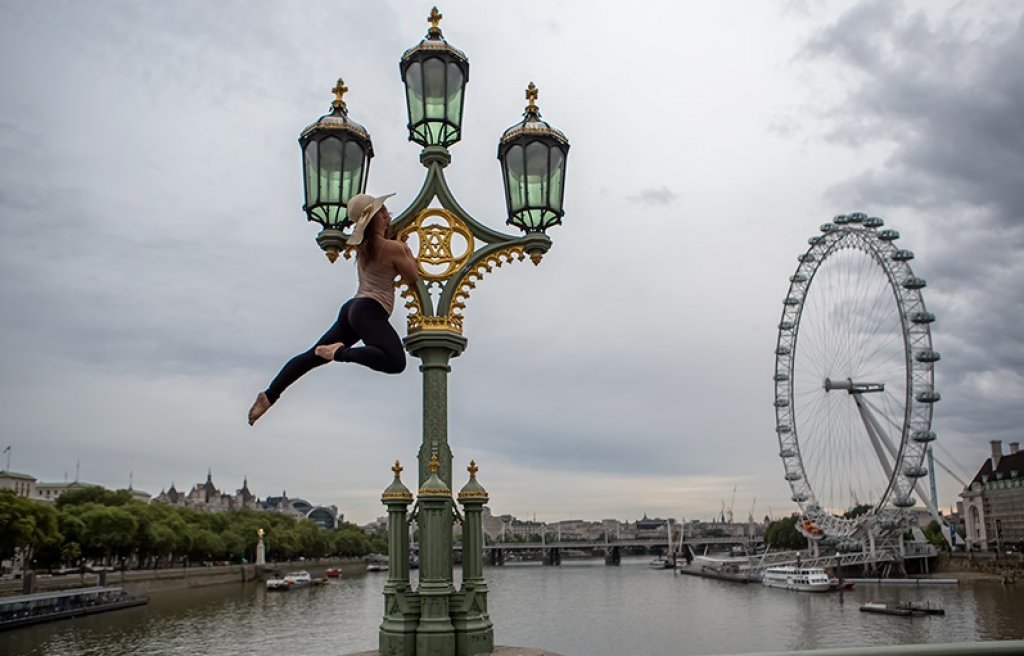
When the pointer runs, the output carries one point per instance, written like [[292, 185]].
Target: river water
[[580, 608]]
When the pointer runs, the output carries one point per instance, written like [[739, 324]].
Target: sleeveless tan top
[[377, 281]]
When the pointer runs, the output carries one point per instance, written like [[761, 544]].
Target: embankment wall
[[149, 581]]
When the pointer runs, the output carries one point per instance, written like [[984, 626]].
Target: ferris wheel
[[854, 382]]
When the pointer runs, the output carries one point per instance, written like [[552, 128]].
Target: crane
[[731, 504]]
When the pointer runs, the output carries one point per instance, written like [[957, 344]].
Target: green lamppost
[[454, 251]]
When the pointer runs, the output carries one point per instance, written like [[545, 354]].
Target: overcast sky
[[156, 268]]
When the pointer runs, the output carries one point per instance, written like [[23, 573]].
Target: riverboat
[[801, 579], [25, 610], [297, 579], [907, 609], [376, 563], [736, 570], [277, 585], [332, 572], [662, 562]]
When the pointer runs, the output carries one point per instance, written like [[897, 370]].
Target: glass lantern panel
[[536, 174], [414, 92], [309, 166], [556, 182], [515, 169], [434, 93], [456, 83], [352, 174], [330, 177]]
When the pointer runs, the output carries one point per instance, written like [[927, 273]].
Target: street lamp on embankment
[[454, 252]]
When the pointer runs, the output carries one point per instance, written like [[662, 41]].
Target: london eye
[[854, 383]]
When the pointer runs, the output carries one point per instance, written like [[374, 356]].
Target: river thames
[[580, 608]]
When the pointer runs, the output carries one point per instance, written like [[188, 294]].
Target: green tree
[[782, 534], [26, 526], [98, 495], [857, 511], [109, 530], [935, 537]]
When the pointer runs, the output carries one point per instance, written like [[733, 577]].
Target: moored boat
[[25, 610], [905, 609], [299, 578], [801, 579], [332, 572], [274, 585]]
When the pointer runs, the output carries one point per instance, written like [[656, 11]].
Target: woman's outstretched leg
[[302, 364]]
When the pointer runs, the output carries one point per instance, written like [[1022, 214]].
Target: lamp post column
[[401, 605], [435, 635], [474, 632], [435, 349]]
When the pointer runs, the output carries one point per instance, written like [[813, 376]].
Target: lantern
[[336, 153], [532, 155]]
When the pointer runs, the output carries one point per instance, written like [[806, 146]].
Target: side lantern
[[336, 153], [533, 155]]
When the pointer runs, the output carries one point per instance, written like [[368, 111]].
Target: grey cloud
[[944, 95], [949, 101], [655, 196]]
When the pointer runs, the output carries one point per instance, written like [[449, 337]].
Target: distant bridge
[[551, 552]]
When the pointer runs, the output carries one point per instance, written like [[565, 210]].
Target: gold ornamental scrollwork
[[441, 251]]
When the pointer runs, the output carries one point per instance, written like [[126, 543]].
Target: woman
[[379, 258]]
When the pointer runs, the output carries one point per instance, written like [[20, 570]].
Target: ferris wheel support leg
[[929, 501]]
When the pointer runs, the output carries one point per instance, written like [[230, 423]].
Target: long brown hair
[[369, 249]]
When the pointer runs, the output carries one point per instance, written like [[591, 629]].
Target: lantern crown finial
[[339, 91], [397, 468], [434, 18], [472, 469], [434, 464], [531, 97]]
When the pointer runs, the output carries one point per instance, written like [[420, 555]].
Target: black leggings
[[359, 319]]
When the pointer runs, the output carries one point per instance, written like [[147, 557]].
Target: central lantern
[[435, 76]]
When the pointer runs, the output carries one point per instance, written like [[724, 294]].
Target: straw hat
[[361, 209]]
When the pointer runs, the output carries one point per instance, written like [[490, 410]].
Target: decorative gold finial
[[339, 90], [531, 96], [434, 464], [472, 469], [434, 18], [397, 468], [260, 533]]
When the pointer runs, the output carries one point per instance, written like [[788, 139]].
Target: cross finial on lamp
[[434, 18], [531, 96], [339, 90], [472, 469], [434, 464], [397, 468]]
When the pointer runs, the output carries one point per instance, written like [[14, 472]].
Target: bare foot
[[259, 407], [327, 351]]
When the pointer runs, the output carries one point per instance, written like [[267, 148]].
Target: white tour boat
[[802, 579], [295, 579]]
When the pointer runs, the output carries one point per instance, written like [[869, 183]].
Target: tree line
[[109, 528]]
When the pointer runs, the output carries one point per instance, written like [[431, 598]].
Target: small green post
[[474, 633], [435, 635], [401, 604]]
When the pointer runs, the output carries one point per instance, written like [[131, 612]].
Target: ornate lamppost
[[454, 252]]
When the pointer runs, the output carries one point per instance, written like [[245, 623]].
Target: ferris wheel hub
[[852, 387]]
